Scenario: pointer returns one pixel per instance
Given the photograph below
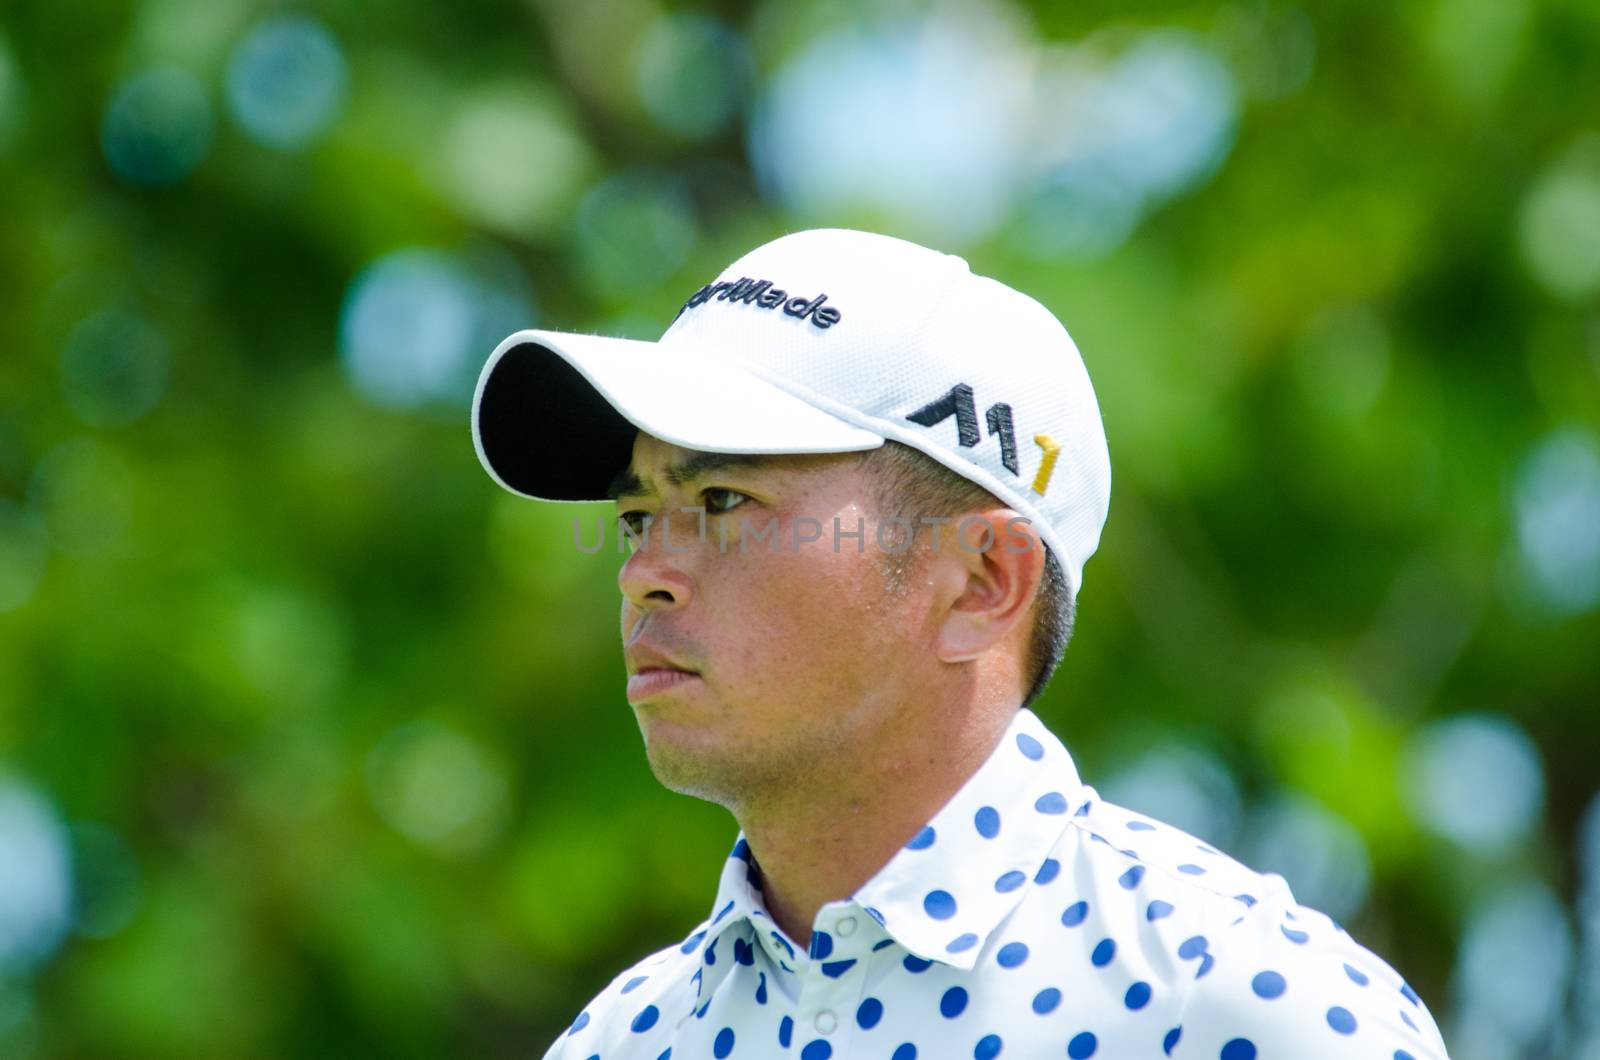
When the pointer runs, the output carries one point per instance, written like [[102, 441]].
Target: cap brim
[[556, 413]]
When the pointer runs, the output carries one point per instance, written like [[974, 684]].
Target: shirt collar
[[942, 894]]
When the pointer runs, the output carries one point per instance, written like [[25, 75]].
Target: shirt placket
[[832, 978]]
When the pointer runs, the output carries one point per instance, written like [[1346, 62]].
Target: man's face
[[801, 650]]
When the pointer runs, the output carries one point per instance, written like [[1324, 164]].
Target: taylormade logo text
[[762, 295]]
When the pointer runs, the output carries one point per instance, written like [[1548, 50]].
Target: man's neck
[[823, 846]]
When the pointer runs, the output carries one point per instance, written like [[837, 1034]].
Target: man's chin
[[686, 771]]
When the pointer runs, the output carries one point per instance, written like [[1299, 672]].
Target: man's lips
[[654, 680]]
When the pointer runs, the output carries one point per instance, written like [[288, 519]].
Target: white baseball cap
[[823, 341]]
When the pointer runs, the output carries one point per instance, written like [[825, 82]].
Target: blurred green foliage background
[[313, 741]]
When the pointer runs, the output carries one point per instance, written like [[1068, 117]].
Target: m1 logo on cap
[[958, 402], [762, 295]]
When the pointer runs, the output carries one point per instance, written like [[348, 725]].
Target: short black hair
[[910, 481]]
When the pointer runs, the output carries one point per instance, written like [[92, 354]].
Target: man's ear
[[1002, 559]]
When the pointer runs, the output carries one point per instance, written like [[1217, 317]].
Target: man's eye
[[721, 500]]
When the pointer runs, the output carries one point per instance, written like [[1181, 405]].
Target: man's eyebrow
[[696, 466]]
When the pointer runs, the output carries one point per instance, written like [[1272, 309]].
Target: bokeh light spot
[[1475, 779], [113, 368], [438, 788], [1513, 963], [917, 121], [513, 159], [1559, 226], [35, 877], [693, 72], [157, 129], [417, 324], [286, 81], [82, 490], [24, 549], [633, 231], [1557, 510], [1186, 787], [1321, 855]]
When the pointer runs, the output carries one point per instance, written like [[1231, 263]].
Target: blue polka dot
[[1171, 1040], [691, 942], [923, 839], [1029, 746], [1192, 870], [1081, 1046], [1046, 1000], [834, 969], [1190, 948], [1239, 1049], [1137, 997], [1410, 994], [786, 1031], [1075, 913], [988, 1047], [953, 1002], [816, 1049], [724, 1043], [1141, 826], [725, 911], [665, 1053], [962, 942], [941, 905], [915, 964], [579, 1024], [1103, 953], [1051, 802], [870, 1012], [1407, 1020], [1011, 954], [1401, 1054], [874, 914], [1297, 937], [1158, 909], [1048, 871], [1131, 878], [1010, 881], [821, 944], [1340, 1019], [702, 1013], [743, 952], [1247, 899], [1268, 985], [761, 989], [646, 1019], [634, 982], [1357, 976], [882, 944], [987, 821], [907, 1051]]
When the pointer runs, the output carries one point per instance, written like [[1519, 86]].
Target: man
[[861, 484]]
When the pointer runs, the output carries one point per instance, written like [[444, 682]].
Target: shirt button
[[846, 927], [826, 1022]]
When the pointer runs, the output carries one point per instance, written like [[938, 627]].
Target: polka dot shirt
[[1029, 918]]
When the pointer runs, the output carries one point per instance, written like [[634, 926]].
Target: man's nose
[[655, 576]]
